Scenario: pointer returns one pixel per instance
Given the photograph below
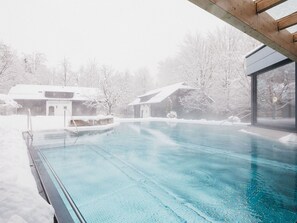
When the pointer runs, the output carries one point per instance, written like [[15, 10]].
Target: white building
[[159, 102], [53, 100]]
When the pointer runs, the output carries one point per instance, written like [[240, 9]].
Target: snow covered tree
[[143, 81], [66, 70], [7, 60], [233, 86], [128, 92], [111, 90], [168, 72], [35, 70], [89, 74], [215, 68], [64, 74], [197, 66]]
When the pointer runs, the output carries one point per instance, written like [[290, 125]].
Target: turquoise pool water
[[164, 172]]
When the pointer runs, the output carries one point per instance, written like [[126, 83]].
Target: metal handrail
[[29, 123], [65, 192], [72, 121], [75, 125]]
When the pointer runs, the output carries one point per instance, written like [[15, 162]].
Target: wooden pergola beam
[[242, 14], [295, 37], [287, 21], [264, 5]]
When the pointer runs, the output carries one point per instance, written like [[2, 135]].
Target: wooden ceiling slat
[[287, 21], [242, 15], [264, 5]]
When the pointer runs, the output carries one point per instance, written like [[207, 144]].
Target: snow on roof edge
[[154, 91], [161, 93], [37, 92]]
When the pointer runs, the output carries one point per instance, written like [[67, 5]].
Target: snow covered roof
[[51, 92], [5, 100], [135, 102], [160, 94]]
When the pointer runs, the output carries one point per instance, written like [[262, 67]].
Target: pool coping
[[275, 135], [50, 191]]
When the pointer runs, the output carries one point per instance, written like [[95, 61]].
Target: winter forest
[[212, 63]]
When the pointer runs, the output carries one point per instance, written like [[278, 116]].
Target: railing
[[29, 123], [65, 114], [75, 125]]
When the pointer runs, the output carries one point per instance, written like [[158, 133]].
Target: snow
[[271, 134], [135, 102], [92, 128], [19, 122], [249, 132], [20, 201], [289, 139], [171, 114], [88, 118], [5, 100], [37, 92], [161, 93], [234, 119], [201, 121]]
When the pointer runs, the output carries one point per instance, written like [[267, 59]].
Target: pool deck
[[272, 134]]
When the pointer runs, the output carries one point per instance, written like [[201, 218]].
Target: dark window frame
[[58, 94]]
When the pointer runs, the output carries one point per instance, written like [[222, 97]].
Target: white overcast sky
[[126, 34]]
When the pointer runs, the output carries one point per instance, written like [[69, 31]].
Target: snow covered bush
[[172, 114], [7, 105], [234, 119]]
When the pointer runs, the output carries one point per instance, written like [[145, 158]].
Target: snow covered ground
[[289, 139], [20, 201], [272, 134], [201, 121]]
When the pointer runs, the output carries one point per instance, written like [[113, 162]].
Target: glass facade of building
[[275, 97], [273, 84]]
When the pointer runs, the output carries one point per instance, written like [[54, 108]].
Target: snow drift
[[19, 197]]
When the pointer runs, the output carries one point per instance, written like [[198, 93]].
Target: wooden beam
[[287, 21], [242, 14], [295, 37], [264, 5]]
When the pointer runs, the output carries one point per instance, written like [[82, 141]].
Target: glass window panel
[[276, 97]]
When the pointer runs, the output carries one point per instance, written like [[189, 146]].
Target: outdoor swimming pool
[[165, 172]]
